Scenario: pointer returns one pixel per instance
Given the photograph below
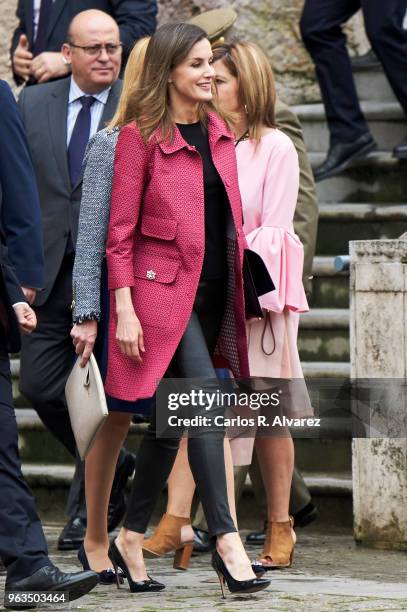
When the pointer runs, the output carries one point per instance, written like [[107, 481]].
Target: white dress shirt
[[74, 107]]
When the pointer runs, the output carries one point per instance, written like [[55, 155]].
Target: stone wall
[[273, 23]]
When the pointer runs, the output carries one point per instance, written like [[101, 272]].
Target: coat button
[[151, 274], [228, 182]]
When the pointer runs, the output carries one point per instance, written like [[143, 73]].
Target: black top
[[214, 264]]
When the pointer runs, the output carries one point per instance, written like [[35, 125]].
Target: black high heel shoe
[[106, 576], [236, 586], [136, 586], [257, 568]]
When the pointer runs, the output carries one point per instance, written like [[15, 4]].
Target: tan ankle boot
[[167, 537], [278, 548]]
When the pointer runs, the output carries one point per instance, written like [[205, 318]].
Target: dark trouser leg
[[258, 486], [76, 501], [23, 548], [321, 29], [154, 461], [240, 473], [383, 22], [300, 495], [47, 357], [205, 452]]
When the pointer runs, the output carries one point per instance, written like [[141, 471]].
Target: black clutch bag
[[256, 282]]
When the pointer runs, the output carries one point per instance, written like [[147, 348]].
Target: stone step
[[386, 121], [325, 369], [377, 178], [325, 318], [331, 492], [341, 222], [362, 211], [60, 476], [39, 447], [330, 289], [372, 85], [324, 335], [27, 418]]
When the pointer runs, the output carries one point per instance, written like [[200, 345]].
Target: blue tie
[[79, 139]]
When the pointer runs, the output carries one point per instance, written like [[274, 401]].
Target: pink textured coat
[[155, 245]]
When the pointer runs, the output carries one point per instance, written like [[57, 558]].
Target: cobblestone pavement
[[329, 573]]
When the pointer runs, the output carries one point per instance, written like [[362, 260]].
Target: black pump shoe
[[257, 568], [107, 576], [236, 586], [136, 586]]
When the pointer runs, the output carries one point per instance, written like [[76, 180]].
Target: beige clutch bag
[[86, 401]]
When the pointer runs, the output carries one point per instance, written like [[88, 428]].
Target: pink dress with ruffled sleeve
[[269, 180]]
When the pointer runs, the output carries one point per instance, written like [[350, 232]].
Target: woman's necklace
[[244, 136]]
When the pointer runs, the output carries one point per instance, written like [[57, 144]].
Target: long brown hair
[[256, 89], [131, 77], [148, 104]]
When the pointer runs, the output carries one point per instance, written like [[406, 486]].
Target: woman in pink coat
[[174, 255], [268, 174]]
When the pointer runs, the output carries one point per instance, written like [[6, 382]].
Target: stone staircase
[[369, 200]]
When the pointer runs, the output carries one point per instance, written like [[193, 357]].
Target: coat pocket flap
[[158, 227], [156, 268]]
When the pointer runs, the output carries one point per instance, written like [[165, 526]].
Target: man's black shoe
[[367, 60], [400, 151], [203, 543], [50, 579], [341, 154], [72, 534], [118, 501], [303, 517], [257, 538]]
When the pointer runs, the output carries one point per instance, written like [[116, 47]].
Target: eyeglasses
[[94, 50]]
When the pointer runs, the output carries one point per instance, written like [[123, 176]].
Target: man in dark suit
[[59, 118], [20, 223], [321, 29], [23, 548], [43, 24]]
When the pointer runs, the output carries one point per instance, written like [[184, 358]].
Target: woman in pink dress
[[268, 174]]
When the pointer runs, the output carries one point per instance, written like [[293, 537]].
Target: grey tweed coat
[[93, 222]]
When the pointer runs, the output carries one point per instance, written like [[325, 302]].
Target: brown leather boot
[[278, 551], [167, 537]]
